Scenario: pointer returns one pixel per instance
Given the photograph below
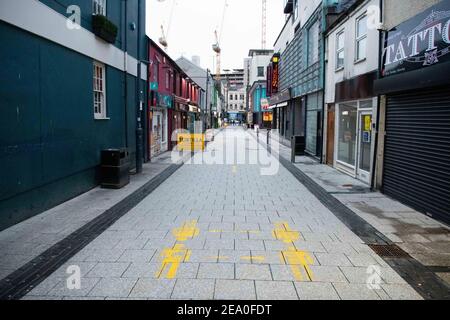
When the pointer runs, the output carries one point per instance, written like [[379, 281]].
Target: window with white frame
[[99, 7], [340, 52], [361, 37], [99, 91]]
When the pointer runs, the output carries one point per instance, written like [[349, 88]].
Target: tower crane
[[216, 46], [264, 24], [164, 35]]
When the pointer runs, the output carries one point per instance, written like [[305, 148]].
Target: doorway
[[331, 119], [364, 146]]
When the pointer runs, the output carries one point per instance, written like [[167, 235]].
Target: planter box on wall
[[103, 28]]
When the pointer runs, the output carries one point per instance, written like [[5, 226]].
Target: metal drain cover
[[390, 251]]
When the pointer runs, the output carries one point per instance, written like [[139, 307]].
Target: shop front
[[178, 119], [158, 123], [279, 105], [354, 132], [314, 103], [350, 126], [416, 98]]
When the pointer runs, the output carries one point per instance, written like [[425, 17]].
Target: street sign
[[154, 86]]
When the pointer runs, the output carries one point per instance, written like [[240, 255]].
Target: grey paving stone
[[327, 274], [310, 246], [253, 272], [355, 291], [339, 247], [235, 290], [194, 289], [249, 245], [142, 270], [61, 290], [204, 256], [127, 244], [151, 288], [99, 255], [333, 259], [271, 290], [222, 244], [113, 287], [316, 291], [276, 245], [137, 256], [362, 260], [401, 292], [108, 270], [216, 271]]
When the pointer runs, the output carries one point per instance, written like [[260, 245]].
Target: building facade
[[414, 123], [256, 66], [350, 102], [204, 78], [301, 74], [69, 90], [236, 104]]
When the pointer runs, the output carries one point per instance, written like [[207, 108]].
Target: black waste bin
[[298, 146], [115, 168]]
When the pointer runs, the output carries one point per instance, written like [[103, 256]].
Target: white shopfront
[[354, 132]]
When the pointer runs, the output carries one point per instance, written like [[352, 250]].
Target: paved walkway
[[225, 231], [25, 241], [424, 238]]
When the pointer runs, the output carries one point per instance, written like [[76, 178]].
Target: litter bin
[[115, 168], [298, 146]]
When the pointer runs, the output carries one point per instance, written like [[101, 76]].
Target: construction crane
[[264, 24], [216, 46], [163, 40]]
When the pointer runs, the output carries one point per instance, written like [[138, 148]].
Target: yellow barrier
[[191, 142]]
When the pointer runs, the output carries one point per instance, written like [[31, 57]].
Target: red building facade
[[173, 101]]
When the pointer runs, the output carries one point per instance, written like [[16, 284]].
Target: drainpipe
[[323, 74], [125, 40], [139, 129], [377, 125]]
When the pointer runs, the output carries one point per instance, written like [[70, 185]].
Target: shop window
[[347, 122], [361, 37], [340, 51], [99, 85]]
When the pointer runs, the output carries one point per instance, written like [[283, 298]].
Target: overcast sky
[[191, 30]]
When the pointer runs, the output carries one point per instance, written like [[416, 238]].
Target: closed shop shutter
[[417, 150]]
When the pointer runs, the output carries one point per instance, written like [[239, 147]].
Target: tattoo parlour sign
[[419, 42]]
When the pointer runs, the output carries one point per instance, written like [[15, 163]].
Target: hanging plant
[[103, 28]]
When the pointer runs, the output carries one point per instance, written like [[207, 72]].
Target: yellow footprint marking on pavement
[[173, 257], [284, 233], [234, 169], [171, 260], [188, 231], [298, 260]]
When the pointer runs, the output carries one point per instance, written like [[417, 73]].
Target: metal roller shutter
[[417, 150]]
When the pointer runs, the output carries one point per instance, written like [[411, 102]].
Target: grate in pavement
[[389, 251]]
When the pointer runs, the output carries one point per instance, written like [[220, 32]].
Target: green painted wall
[[49, 141]]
